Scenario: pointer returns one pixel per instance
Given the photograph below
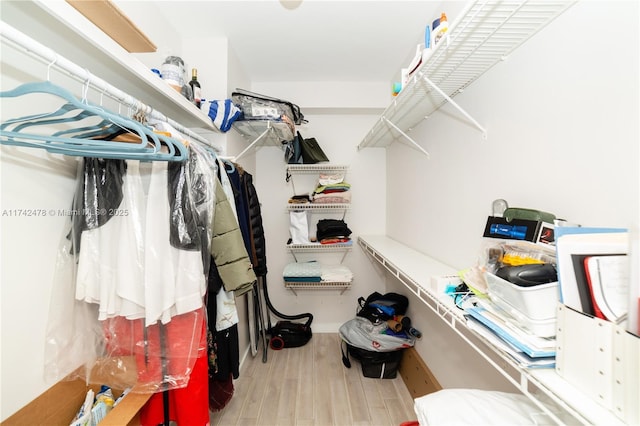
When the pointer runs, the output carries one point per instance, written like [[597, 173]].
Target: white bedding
[[477, 407]]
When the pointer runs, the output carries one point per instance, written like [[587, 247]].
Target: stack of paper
[[497, 327], [593, 271]]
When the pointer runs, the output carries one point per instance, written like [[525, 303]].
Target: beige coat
[[227, 247]]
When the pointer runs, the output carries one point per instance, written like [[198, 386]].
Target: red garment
[[172, 355], [334, 240], [165, 353], [220, 393], [187, 406]]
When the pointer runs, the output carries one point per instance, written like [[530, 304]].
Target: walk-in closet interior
[[147, 240]]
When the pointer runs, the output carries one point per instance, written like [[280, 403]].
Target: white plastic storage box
[[536, 302], [541, 328]]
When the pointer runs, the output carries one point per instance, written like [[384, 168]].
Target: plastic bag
[[127, 302], [363, 334], [299, 227]]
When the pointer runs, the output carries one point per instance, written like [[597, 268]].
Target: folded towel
[[222, 113], [329, 179]]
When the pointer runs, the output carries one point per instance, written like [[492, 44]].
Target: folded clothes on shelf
[[332, 229], [314, 271], [334, 193]]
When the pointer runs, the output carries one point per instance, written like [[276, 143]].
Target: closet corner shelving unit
[[262, 132], [486, 32], [299, 169], [557, 398]]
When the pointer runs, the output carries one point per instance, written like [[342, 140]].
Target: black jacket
[[256, 230]]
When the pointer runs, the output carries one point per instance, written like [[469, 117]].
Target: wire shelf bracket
[[407, 137]]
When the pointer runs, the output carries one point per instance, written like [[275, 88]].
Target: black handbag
[[311, 151], [293, 151]]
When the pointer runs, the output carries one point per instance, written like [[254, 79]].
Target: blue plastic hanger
[[232, 167], [102, 128], [82, 150], [80, 146], [72, 104]]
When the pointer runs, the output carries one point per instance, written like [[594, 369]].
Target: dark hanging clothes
[[98, 195], [224, 356], [256, 229], [223, 352], [227, 355]]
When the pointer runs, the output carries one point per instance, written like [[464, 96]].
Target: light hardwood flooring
[[308, 386]]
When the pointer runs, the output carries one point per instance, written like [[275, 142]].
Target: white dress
[[110, 269], [129, 268]]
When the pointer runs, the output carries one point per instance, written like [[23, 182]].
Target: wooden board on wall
[[110, 19], [416, 375]]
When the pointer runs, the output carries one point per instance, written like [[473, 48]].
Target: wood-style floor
[[310, 386]]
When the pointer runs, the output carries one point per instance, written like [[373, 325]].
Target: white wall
[[563, 130], [35, 188]]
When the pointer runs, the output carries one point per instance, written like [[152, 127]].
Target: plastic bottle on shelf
[[439, 28], [396, 88], [426, 52]]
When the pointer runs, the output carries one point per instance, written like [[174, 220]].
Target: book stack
[[503, 331]]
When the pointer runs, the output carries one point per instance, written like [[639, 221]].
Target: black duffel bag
[[382, 307]]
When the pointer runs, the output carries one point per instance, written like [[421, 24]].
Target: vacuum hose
[[307, 315]]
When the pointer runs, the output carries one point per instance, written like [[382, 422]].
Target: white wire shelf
[[317, 247], [322, 285], [315, 168], [262, 132], [317, 207], [327, 285], [274, 132], [562, 402], [484, 34]]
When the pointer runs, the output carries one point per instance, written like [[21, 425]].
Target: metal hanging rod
[[81, 74]]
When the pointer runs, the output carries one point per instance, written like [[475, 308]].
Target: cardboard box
[[59, 404]]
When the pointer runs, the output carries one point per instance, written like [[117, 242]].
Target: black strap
[[345, 358]]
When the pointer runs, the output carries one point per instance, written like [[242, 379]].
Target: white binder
[[601, 359]]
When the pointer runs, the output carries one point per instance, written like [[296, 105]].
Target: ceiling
[[319, 40]]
